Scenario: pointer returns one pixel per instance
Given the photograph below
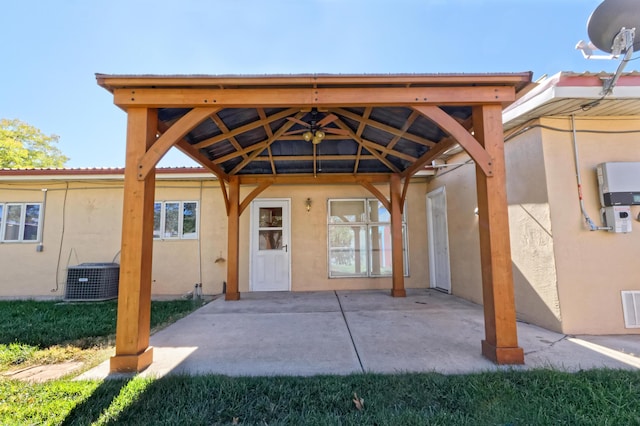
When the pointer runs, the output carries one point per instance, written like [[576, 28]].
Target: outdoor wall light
[[308, 204]]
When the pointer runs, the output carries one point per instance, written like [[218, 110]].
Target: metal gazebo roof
[[259, 128]]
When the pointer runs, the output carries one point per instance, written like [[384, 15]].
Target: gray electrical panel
[[618, 218], [619, 183]]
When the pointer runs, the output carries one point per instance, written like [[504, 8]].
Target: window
[[174, 220], [360, 239], [19, 222]]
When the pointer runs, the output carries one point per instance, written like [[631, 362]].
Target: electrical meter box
[[619, 183], [617, 218]]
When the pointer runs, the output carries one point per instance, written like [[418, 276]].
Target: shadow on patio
[[348, 332]]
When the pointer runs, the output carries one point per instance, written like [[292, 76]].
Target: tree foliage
[[25, 146]]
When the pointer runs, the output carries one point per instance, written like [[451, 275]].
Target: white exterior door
[[270, 249], [439, 269]]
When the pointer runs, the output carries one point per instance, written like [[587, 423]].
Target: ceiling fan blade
[[295, 132], [295, 120], [335, 131], [327, 119]]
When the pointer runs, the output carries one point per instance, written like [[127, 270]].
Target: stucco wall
[[309, 237], [593, 267], [532, 249], [531, 232], [83, 224], [566, 278]]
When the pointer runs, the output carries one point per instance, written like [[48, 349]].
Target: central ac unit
[[92, 282]]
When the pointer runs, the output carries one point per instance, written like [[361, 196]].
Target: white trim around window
[[176, 220], [359, 239], [20, 222]]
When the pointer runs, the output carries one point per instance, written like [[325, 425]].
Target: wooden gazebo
[[253, 130]]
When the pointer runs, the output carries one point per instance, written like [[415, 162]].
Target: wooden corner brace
[[169, 138], [460, 134]]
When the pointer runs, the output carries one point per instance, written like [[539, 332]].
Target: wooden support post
[[133, 353], [501, 340], [397, 289], [233, 239]]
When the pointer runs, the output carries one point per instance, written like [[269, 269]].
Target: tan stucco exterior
[[309, 237], [83, 222], [566, 278], [593, 267]]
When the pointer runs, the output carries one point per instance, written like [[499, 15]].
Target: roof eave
[[565, 85], [177, 173], [111, 82]]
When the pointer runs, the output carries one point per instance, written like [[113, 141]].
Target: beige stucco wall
[[309, 237], [534, 274], [82, 223], [566, 278], [531, 232], [593, 267]]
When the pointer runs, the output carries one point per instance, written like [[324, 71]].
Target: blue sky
[[52, 50]]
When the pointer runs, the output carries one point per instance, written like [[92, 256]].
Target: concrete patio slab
[[348, 332]]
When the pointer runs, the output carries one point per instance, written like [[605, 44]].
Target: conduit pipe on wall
[[40, 246], [64, 214], [199, 229], [590, 223]]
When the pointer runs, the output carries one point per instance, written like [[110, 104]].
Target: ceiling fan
[[316, 130]]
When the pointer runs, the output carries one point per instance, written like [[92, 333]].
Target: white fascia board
[[532, 100], [577, 92], [79, 177], [549, 91], [186, 176], [539, 100]]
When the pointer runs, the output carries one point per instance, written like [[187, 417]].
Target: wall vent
[[92, 282], [631, 308]]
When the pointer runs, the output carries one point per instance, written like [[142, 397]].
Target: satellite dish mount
[[612, 28]]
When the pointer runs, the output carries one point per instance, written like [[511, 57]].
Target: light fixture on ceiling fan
[[315, 131]]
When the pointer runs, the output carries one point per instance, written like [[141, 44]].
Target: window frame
[[4, 211], [366, 223], [162, 234]]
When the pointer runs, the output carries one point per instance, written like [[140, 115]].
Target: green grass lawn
[[507, 398], [543, 397], [45, 332]]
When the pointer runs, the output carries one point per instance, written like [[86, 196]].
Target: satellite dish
[[606, 22]]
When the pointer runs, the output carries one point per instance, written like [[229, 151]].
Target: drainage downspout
[[590, 223]]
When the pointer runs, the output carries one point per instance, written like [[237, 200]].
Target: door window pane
[[270, 217], [347, 251], [346, 211], [270, 240], [12, 227], [171, 220], [31, 222]]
